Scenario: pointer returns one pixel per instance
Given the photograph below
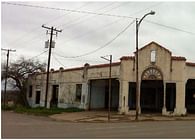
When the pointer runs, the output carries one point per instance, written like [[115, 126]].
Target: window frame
[[78, 92], [153, 56]]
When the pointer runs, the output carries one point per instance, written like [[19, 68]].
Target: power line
[[106, 44], [38, 27], [70, 10], [64, 65], [37, 36], [154, 5], [87, 33], [102, 14], [170, 27], [93, 17], [37, 55], [83, 19], [66, 14], [73, 59]]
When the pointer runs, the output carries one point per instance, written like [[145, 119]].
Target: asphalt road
[[26, 126]]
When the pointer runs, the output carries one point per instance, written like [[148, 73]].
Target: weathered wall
[[67, 81], [189, 72], [163, 60], [173, 71], [178, 76]]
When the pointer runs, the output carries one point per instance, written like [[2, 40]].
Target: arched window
[[152, 73]]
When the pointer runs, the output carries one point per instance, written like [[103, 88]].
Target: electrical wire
[[87, 19], [58, 17], [79, 60], [87, 33], [69, 10], [142, 10], [170, 27], [64, 65], [37, 36], [37, 55], [106, 44], [88, 12], [82, 19], [38, 27]]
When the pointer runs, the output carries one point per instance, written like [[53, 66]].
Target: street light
[[137, 79]]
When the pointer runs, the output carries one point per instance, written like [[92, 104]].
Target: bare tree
[[19, 71]]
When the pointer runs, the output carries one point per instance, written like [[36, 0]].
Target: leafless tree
[[19, 71]]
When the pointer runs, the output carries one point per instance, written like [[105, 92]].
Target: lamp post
[[137, 78]]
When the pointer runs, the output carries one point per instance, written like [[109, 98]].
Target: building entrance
[[152, 90], [151, 96], [54, 100]]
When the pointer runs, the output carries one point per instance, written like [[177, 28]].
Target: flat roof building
[[167, 84]]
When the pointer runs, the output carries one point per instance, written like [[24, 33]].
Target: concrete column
[[123, 97], [164, 110], [84, 96], [180, 99]]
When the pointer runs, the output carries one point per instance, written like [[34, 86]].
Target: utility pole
[[110, 84], [6, 75], [52, 29]]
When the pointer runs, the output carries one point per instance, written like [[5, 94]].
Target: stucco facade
[[165, 80]]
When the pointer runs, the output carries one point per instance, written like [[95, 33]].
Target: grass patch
[[8, 107], [41, 111]]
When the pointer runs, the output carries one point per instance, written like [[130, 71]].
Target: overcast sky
[[82, 33]]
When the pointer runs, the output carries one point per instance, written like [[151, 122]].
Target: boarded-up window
[[78, 92], [30, 92]]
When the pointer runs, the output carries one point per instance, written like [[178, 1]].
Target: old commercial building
[[167, 84]]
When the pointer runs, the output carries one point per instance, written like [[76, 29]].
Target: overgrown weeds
[[40, 111]]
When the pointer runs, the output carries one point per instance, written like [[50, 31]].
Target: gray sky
[[82, 33]]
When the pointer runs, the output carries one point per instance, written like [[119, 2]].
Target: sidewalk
[[102, 116]]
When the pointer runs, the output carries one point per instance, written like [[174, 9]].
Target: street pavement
[[28, 126]]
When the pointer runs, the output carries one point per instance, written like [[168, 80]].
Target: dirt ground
[[102, 116]]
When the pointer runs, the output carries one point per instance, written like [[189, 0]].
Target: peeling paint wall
[[173, 69]]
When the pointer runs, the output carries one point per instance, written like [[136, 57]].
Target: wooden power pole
[[6, 75], [52, 29]]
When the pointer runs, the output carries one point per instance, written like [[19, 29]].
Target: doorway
[[151, 98], [54, 99], [170, 96]]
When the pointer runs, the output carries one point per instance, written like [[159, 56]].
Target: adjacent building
[[167, 84]]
